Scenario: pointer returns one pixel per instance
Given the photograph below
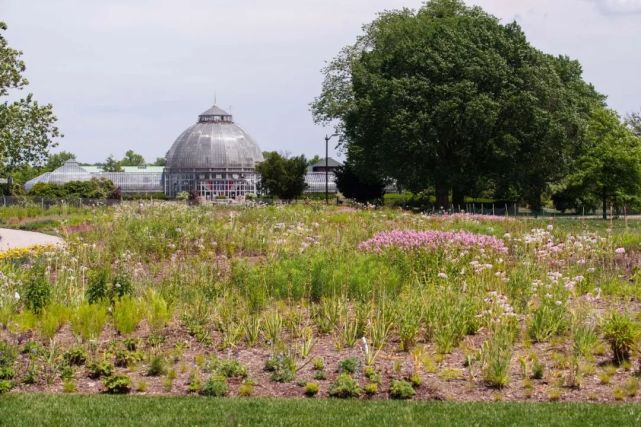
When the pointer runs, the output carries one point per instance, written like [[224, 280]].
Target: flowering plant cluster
[[432, 239]]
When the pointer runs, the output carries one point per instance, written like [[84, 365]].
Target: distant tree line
[[447, 99]]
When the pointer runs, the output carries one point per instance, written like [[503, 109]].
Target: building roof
[[321, 164], [215, 111], [213, 145]]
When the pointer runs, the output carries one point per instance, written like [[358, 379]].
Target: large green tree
[[281, 176], [27, 129], [610, 168], [448, 97], [132, 159]]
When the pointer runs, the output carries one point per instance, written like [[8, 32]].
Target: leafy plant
[[401, 390], [97, 369], [282, 367], [157, 366], [75, 356], [349, 365], [127, 314], [216, 386], [37, 292], [311, 389], [345, 387], [117, 384], [232, 369]]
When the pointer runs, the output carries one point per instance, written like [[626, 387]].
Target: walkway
[[14, 239]]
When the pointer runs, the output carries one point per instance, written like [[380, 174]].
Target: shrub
[[311, 389], [126, 315], [538, 369], [345, 387], [193, 384], [232, 369], [68, 386], [371, 389], [349, 365], [37, 290], [282, 367], [5, 386], [75, 356], [318, 363], [621, 332], [401, 390], [97, 289], [216, 386], [117, 384], [99, 369], [156, 366], [246, 389]]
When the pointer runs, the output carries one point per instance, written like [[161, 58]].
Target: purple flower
[[432, 239]]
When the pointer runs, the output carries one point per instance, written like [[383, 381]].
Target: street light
[[327, 138]]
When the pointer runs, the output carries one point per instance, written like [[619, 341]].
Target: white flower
[[442, 275], [550, 227], [16, 296]]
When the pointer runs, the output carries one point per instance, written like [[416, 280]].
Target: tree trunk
[[458, 197], [605, 206], [442, 196]]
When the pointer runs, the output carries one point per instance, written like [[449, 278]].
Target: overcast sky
[[135, 73]]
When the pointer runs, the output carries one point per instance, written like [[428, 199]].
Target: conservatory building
[[214, 158]]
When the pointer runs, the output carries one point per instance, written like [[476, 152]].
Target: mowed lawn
[[66, 410]]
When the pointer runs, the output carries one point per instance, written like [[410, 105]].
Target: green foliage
[[282, 367], [75, 356], [358, 185], [132, 159], [371, 389], [232, 369], [345, 387], [37, 290], [117, 384], [5, 386], [127, 314], [622, 333], [497, 352], [311, 389], [282, 177], [411, 100], [27, 129], [158, 311], [8, 355], [349, 365], [53, 317], [88, 321], [216, 386], [401, 390], [97, 369], [95, 188], [547, 320], [157, 366]]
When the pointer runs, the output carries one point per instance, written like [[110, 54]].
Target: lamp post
[[327, 138]]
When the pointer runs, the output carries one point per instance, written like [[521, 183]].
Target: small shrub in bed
[[401, 390], [345, 387], [75, 356], [349, 365], [232, 369], [8, 355], [97, 369], [282, 367], [156, 366], [117, 384], [37, 290], [311, 389], [216, 386], [5, 386]]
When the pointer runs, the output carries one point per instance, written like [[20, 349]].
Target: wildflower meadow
[[163, 298]]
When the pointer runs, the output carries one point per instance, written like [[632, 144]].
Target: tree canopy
[[448, 97], [281, 176], [27, 129], [132, 159]]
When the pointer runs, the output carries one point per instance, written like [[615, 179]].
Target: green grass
[[29, 410]]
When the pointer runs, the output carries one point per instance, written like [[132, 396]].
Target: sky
[[134, 74]]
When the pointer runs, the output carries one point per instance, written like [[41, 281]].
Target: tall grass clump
[[127, 314], [622, 333], [497, 351], [88, 321]]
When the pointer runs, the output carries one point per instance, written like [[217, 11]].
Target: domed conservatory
[[214, 158]]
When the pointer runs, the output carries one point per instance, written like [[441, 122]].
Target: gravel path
[[12, 239]]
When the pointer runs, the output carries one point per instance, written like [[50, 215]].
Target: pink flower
[[619, 251], [432, 239]]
